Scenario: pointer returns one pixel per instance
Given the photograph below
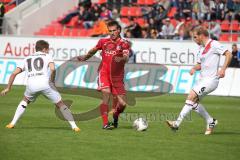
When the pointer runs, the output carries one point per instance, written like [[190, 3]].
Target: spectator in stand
[[86, 4], [195, 9], [215, 30], [115, 14], [2, 10], [154, 34], [151, 24], [184, 9], [182, 30], [219, 10], [127, 33], [167, 30], [145, 33], [135, 28], [86, 17], [96, 10], [236, 56], [148, 12], [237, 10], [161, 13], [181, 35], [206, 9], [106, 13], [100, 28], [188, 25], [233, 10], [165, 3]]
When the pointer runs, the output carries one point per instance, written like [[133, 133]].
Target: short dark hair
[[234, 44], [114, 23], [41, 44], [201, 30]]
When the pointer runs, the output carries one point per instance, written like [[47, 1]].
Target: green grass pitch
[[41, 135]]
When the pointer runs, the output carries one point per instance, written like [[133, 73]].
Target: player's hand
[[192, 71], [5, 91], [221, 73], [118, 59], [81, 58]]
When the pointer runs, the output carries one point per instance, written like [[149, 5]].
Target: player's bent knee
[[193, 104], [122, 103], [26, 100], [59, 104]]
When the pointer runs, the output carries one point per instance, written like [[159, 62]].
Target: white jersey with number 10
[[37, 71]]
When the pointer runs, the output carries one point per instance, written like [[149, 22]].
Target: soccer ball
[[140, 124]]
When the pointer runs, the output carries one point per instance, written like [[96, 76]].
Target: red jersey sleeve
[[99, 44], [126, 48]]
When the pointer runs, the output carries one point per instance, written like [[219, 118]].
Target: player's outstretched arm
[[228, 58], [10, 81], [195, 68], [53, 71], [90, 53]]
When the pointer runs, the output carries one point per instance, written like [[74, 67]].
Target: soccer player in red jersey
[[115, 54]]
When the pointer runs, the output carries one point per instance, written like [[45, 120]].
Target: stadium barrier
[[177, 59]]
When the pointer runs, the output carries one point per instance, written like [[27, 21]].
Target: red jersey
[[111, 49]]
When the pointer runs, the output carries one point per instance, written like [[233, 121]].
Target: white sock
[[68, 116], [184, 112], [202, 111], [19, 111]]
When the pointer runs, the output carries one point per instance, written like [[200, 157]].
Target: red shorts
[[116, 85]]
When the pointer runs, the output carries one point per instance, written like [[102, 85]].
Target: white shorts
[[49, 93], [205, 86]]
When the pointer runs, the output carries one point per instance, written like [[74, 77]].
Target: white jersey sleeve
[[49, 58], [219, 48]]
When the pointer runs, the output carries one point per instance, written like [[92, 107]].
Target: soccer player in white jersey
[[208, 65], [39, 81]]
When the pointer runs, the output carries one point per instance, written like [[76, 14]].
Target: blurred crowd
[[157, 24]]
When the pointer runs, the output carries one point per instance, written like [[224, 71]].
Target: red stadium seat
[[173, 22], [89, 32], [66, 32], [235, 37], [6, 1], [172, 12], [75, 32], [9, 7], [58, 31], [141, 2], [124, 11], [83, 33], [125, 20], [225, 25], [73, 22], [224, 37], [102, 1], [234, 25], [149, 2], [140, 21], [135, 11], [46, 31]]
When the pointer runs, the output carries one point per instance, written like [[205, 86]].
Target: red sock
[[104, 113], [119, 109]]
